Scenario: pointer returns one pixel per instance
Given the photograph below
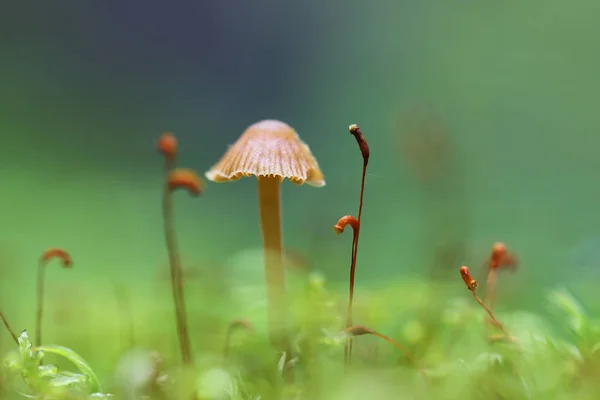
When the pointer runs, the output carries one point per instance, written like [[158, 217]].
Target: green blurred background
[[512, 154]]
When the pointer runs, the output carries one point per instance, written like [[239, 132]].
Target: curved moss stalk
[[175, 265], [174, 179], [48, 255], [234, 326]]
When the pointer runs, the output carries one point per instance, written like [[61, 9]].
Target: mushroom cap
[[268, 149]]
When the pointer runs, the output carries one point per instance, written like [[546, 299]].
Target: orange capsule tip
[[56, 252], [343, 222], [187, 179], [467, 278], [167, 145]]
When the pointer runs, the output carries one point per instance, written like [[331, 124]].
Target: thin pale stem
[[270, 222], [395, 344], [490, 288], [494, 320], [227, 343], [40, 302], [235, 325], [401, 348]]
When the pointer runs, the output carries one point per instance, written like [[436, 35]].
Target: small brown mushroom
[[272, 151]]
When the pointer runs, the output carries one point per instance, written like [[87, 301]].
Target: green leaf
[[70, 380], [76, 359], [47, 370], [577, 317]]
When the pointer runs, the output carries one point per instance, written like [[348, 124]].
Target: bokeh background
[[482, 118]]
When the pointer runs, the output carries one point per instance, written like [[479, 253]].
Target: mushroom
[[272, 151]]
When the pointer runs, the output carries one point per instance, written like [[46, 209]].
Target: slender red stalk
[[8, 328], [46, 256], [365, 152], [472, 286], [339, 228], [175, 179], [499, 258], [359, 330]]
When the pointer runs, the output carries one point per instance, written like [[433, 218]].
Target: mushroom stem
[[270, 222]]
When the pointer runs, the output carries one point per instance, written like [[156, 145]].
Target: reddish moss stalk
[[359, 330], [365, 153], [472, 286], [47, 255], [176, 179], [499, 258], [8, 328]]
